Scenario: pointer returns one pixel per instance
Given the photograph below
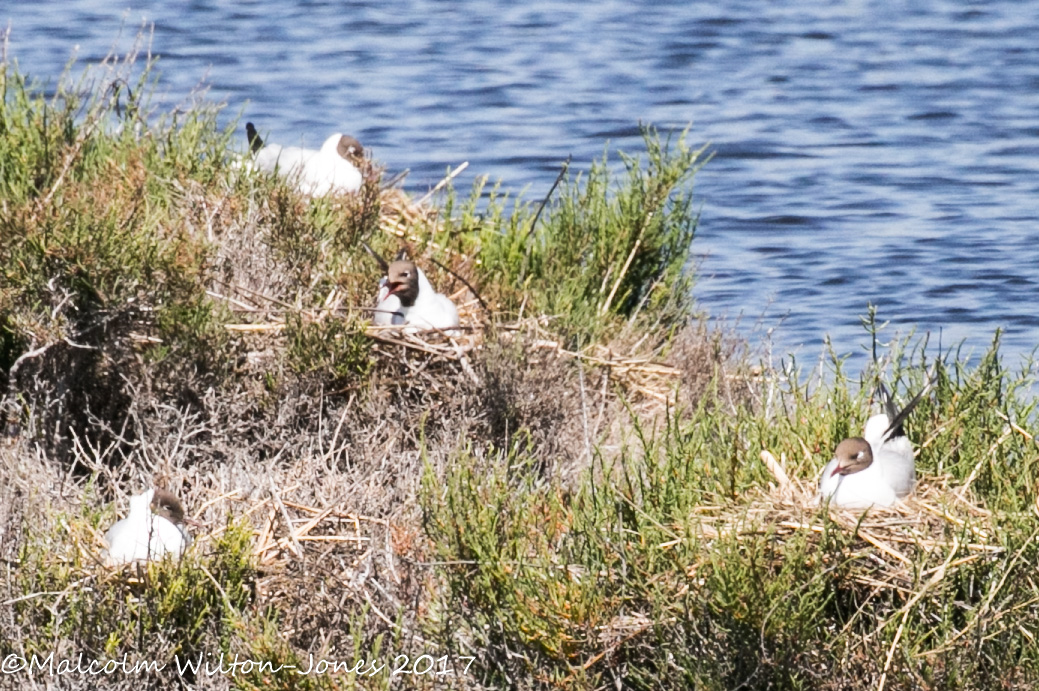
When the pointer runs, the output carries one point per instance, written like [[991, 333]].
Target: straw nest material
[[900, 555], [642, 375], [933, 518]]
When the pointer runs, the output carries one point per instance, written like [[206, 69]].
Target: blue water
[[864, 152]]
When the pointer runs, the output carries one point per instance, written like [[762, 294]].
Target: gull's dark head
[[853, 455], [350, 149], [402, 280]]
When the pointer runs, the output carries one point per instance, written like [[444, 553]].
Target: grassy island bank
[[587, 487]]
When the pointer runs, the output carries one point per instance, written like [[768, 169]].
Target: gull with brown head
[[154, 528], [332, 169], [877, 468], [406, 297]]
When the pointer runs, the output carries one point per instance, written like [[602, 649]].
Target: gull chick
[[154, 528], [331, 169]]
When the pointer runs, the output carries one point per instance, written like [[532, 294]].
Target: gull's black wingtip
[[253, 137], [896, 417]]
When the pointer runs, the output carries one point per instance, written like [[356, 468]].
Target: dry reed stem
[[620, 277], [776, 468], [268, 548], [883, 535], [443, 183], [936, 578]]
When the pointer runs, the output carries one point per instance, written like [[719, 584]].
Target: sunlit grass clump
[[605, 246], [674, 565]]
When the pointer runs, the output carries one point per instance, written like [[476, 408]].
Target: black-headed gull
[[877, 468], [406, 297], [331, 169], [153, 528], [854, 479]]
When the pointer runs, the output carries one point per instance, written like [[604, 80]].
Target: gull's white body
[[317, 173], [387, 307], [859, 490], [891, 476], [894, 456], [142, 535], [432, 310]]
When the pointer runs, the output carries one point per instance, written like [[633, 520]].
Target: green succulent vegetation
[[576, 500], [130, 611], [601, 251], [621, 579]]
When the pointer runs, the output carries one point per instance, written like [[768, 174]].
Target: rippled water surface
[[865, 152]]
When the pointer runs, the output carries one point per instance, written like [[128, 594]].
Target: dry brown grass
[[326, 474]]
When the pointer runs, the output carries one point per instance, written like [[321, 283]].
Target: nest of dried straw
[[901, 554], [641, 374], [929, 520]]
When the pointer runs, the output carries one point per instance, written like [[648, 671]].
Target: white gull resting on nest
[[877, 468], [153, 528], [406, 297], [332, 169]]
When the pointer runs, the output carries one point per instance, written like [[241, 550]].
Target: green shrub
[[602, 251], [670, 567], [333, 349]]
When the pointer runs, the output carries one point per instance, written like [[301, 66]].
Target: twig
[[339, 427], [467, 284], [534, 223], [1015, 427], [233, 301], [312, 523], [890, 551], [938, 576], [467, 366], [584, 411], [268, 527], [255, 328], [776, 468], [624, 269], [286, 518], [257, 294], [31, 596], [12, 374], [443, 183], [338, 514], [544, 202]]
